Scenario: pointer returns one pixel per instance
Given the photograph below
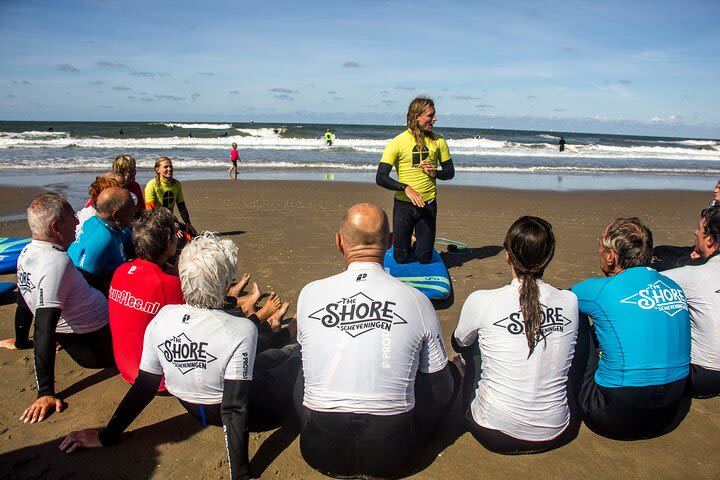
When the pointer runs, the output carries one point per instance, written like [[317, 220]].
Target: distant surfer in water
[[562, 144], [234, 157], [416, 154], [328, 137]]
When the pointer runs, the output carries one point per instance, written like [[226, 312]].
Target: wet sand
[[285, 231]]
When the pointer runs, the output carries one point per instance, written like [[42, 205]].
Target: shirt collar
[[365, 266]]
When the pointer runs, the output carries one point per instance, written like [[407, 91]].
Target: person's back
[[139, 289], [364, 337], [376, 375], [638, 343], [701, 285], [196, 349], [642, 325], [515, 386]]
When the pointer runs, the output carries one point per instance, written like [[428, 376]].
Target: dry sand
[[285, 231]]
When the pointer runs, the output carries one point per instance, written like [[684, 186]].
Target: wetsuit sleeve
[[383, 178], [466, 332], [98, 281], [434, 392], [23, 321], [136, 399], [234, 414], [183, 212], [447, 172], [46, 320]]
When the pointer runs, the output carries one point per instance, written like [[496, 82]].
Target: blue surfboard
[[432, 278], [10, 249], [6, 288]]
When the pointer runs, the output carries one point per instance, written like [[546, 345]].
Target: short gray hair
[[206, 267], [43, 210], [631, 240], [152, 233]]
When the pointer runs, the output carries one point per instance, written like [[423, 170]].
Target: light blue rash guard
[[642, 324], [100, 247]]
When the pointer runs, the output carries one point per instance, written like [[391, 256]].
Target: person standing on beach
[[416, 154], [234, 157], [561, 143]]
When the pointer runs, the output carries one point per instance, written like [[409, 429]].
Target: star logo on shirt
[[358, 314], [185, 354], [659, 296]]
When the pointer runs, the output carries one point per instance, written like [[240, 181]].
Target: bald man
[[104, 242], [376, 374]]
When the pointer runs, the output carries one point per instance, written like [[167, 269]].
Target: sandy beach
[[285, 232]]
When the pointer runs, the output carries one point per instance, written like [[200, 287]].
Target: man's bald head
[[115, 204], [365, 225]]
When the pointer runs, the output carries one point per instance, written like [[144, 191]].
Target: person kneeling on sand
[[218, 348], [376, 374], [701, 285], [518, 342], [66, 309], [140, 288], [639, 341]]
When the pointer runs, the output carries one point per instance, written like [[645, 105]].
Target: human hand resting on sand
[[414, 197], [36, 412], [89, 438]]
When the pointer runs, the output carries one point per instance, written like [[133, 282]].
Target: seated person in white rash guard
[[376, 375], [67, 310], [518, 342], [701, 285], [206, 355]]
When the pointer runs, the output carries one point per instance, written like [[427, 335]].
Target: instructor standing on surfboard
[[416, 154]]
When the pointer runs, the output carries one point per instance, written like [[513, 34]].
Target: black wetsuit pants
[[422, 220], [626, 413], [704, 382], [89, 350], [271, 393], [355, 444]]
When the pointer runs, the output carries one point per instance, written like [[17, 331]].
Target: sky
[[625, 67]]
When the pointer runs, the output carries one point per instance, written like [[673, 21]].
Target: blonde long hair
[[416, 108]]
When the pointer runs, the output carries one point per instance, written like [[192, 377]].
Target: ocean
[[72, 153]]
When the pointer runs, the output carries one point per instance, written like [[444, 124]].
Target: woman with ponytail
[[517, 343]]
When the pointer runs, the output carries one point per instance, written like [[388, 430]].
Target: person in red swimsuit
[[140, 288]]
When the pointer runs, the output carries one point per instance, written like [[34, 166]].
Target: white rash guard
[[701, 284], [364, 337], [523, 397], [47, 278], [197, 350]]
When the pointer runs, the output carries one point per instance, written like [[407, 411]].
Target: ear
[[610, 258], [507, 257], [54, 228], [339, 243]]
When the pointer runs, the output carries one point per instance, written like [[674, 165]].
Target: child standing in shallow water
[[234, 157]]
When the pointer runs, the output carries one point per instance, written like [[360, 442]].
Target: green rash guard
[[402, 153], [166, 194]]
